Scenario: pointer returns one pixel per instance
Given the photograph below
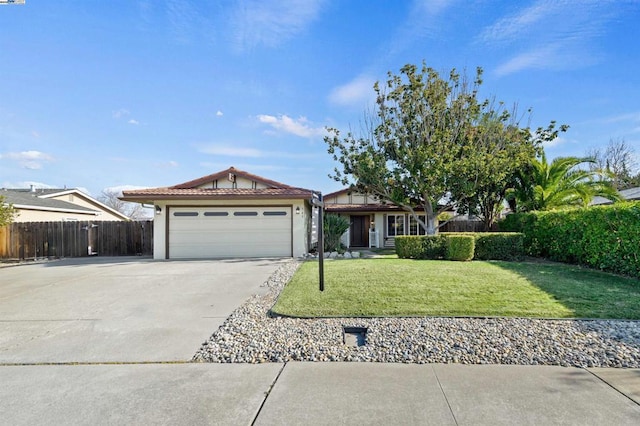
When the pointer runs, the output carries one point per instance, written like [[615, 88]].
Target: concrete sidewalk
[[317, 393]]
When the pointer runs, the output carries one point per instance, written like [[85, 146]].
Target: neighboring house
[[631, 194], [228, 214], [373, 223], [52, 205]]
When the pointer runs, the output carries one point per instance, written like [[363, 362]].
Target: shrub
[[523, 223], [434, 247], [499, 246], [409, 246], [421, 247], [602, 237], [460, 247], [334, 226]]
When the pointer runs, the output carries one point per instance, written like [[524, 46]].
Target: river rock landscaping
[[251, 335]]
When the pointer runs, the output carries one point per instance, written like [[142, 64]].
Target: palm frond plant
[[334, 227], [562, 183]]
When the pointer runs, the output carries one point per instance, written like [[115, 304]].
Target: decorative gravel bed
[[249, 335]]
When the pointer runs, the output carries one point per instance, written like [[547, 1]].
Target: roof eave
[[155, 198], [54, 209]]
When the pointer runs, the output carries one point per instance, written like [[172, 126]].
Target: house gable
[[233, 181], [231, 178], [79, 198], [229, 184], [351, 197]]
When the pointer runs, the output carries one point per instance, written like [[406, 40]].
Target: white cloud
[[219, 113], [231, 151], [27, 184], [357, 92], [631, 116], [122, 112], [271, 22], [540, 58], [553, 34], [433, 7], [555, 142], [167, 164], [424, 19], [299, 127], [119, 188], [32, 160], [222, 150], [183, 18], [244, 166], [511, 27]]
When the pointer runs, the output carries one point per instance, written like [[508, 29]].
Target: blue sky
[[108, 94]]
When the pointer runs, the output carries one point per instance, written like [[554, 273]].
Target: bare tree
[[617, 160], [134, 211]]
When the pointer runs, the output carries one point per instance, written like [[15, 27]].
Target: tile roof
[[217, 193], [339, 192], [189, 190], [343, 208]]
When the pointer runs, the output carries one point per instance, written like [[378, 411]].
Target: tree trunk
[[431, 225], [430, 218]]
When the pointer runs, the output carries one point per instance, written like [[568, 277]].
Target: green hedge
[[409, 247], [499, 246], [421, 247], [460, 247], [488, 246], [602, 237], [434, 247]]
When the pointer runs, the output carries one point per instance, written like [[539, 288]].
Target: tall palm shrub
[[562, 183], [334, 227]]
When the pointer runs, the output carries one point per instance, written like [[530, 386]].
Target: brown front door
[[359, 231]]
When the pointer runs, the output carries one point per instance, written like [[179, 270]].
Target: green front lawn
[[402, 287]]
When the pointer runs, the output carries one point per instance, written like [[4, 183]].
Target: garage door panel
[[205, 232]]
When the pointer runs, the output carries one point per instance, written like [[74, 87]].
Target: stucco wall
[[26, 215]]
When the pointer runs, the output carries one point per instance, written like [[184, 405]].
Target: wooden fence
[[463, 226], [33, 240]]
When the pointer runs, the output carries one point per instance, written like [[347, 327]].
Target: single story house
[[373, 223], [53, 205], [228, 214]]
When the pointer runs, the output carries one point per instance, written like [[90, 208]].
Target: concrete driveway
[[119, 309]]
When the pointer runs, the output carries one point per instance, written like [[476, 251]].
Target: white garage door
[[215, 232]]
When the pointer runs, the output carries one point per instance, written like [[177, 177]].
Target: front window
[[414, 226], [395, 225]]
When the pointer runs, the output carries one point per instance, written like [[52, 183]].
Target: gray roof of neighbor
[[26, 197], [630, 194]]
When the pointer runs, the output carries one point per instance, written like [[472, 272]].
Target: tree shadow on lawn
[[589, 293]]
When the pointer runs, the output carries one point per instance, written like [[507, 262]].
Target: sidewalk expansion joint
[[267, 393], [612, 387], [445, 396]]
